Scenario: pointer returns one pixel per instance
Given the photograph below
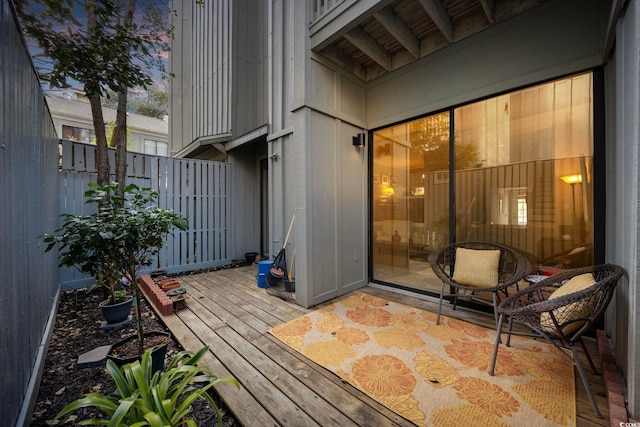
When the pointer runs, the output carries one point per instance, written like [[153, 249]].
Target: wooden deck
[[280, 387]]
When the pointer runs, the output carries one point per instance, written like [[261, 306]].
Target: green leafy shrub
[[115, 242]]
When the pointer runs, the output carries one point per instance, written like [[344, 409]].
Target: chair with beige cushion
[[561, 309], [480, 271]]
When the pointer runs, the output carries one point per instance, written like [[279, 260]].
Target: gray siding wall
[[284, 178], [623, 210], [28, 209], [180, 111], [212, 67], [202, 65], [220, 90], [249, 72], [324, 175], [246, 206], [219, 58]]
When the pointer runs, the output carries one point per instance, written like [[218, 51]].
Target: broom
[[278, 269]]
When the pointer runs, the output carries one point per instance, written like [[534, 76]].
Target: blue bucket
[[263, 270]]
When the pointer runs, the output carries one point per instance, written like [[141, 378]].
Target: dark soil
[[77, 331]]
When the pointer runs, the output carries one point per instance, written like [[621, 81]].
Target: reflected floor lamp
[[572, 180]]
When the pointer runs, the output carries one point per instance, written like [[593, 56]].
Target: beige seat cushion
[[477, 267], [577, 309]]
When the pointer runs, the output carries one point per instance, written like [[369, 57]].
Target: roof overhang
[[205, 143]]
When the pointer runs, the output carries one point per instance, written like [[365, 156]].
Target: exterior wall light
[[358, 140]]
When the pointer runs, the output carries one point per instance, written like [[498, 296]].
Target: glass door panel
[[410, 200], [524, 171]]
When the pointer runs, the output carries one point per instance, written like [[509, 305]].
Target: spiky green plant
[[157, 399]]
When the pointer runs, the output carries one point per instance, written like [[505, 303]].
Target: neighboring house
[[72, 119], [536, 100]]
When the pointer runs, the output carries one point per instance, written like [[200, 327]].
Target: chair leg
[[440, 304], [593, 367], [576, 361], [495, 307], [497, 344], [508, 344]]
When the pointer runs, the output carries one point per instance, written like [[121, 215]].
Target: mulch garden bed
[[77, 331]]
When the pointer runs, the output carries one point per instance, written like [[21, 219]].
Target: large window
[[155, 147], [521, 175], [78, 134]]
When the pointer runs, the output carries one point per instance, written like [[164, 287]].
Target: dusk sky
[[162, 6]]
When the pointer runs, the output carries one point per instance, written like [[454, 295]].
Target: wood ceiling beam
[[440, 17], [399, 29], [489, 7], [368, 45]]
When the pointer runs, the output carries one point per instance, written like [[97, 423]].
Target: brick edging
[[155, 294], [617, 408]]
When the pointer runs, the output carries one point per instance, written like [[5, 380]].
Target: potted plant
[[148, 398], [117, 303], [82, 244], [116, 241]]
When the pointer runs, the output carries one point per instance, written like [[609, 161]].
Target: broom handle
[[286, 239]]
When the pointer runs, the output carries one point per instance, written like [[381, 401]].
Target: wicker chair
[[562, 319], [511, 267]]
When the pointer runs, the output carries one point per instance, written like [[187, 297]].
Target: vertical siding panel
[[173, 199], [67, 159], [184, 253], [90, 161], [211, 210], [229, 219], [79, 162], [201, 169], [189, 198]]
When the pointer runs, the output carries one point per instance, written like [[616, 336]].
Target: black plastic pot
[[157, 355], [116, 313], [289, 286], [250, 257]]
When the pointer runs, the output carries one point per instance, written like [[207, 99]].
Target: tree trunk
[[93, 93], [119, 137], [102, 152], [119, 140]]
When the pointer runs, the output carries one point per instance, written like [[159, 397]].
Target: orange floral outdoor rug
[[435, 375]]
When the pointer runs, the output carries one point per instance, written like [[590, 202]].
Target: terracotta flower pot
[[169, 284]]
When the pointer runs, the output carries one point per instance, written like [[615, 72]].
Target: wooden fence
[[28, 174], [196, 189]]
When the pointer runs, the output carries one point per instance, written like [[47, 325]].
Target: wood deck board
[[279, 386], [267, 350], [251, 411]]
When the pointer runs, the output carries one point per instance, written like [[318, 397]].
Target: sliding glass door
[[521, 175]]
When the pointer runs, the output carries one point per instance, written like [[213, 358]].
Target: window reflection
[[513, 156]]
